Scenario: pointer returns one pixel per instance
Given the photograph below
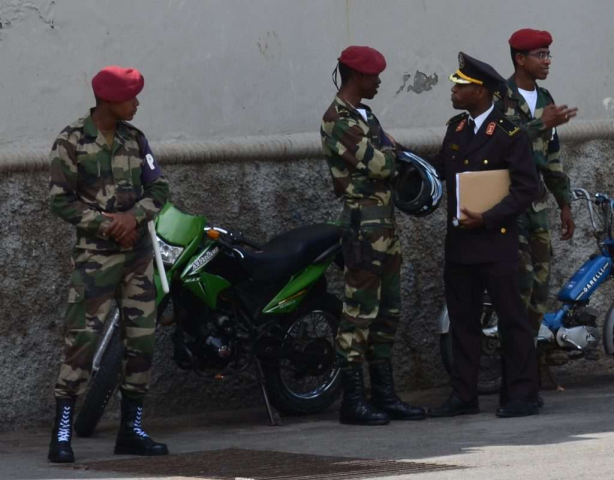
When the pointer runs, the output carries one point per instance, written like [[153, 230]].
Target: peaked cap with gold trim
[[471, 70]]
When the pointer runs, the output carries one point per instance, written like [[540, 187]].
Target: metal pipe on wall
[[295, 146]]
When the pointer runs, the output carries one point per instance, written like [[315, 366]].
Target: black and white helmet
[[417, 189]]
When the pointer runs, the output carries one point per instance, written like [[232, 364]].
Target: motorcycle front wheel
[[105, 381], [489, 380], [102, 387], [306, 378]]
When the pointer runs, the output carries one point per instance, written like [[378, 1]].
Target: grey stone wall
[[262, 199]]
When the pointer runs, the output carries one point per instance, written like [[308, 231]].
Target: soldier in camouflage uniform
[[533, 108], [105, 181], [361, 157]]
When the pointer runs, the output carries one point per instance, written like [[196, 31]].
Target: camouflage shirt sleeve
[[155, 186], [63, 199], [534, 128], [351, 142], [555, 178]]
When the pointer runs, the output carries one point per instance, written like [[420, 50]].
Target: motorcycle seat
[[288, 253]]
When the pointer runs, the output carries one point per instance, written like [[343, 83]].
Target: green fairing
[[207, 287], [178, 228], [303, 281]]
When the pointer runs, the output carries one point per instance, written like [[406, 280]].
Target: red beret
[[529, 39], [117, 84], [365, 60]]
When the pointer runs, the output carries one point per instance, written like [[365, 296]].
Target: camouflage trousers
[[372, 306], [534, 264], [97, 280]]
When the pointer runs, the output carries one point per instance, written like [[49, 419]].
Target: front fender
[[443, 322]]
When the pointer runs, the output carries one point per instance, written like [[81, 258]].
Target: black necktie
[[470, 128]]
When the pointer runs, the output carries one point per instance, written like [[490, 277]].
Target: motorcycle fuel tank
[[586, 280]]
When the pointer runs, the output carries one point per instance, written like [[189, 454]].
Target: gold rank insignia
[[490, 129], [454, 147]]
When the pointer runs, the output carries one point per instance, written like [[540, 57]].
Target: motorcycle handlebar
[[231, 238], [601, 200]]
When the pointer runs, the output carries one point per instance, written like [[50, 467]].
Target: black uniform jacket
[[498, 144]]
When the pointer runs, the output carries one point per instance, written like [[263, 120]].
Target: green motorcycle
[[236, 305]]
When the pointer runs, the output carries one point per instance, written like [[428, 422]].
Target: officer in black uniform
[[481, 251]]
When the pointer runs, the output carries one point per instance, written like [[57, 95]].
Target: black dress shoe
[[518, 408], [454, 406]]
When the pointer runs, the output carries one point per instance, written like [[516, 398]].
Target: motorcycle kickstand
[[552, 378], [274, 418]]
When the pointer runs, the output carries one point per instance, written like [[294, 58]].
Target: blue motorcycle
[[572, 329]]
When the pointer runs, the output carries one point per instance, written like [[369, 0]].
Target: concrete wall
[[262, 199], [228, 68], [219, 69]]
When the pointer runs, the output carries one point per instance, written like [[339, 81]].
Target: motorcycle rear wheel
[[304, 389], [489, 380]]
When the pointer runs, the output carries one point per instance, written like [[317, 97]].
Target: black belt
[[367, 212]]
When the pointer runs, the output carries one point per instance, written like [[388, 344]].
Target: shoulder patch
[[457, 118], [508, 127]]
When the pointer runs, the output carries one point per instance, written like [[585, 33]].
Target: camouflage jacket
[[360, 156], [87, 178], [546, 147]]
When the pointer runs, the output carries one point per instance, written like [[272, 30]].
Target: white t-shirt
[[530, 96]]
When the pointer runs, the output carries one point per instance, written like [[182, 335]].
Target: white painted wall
[[228, 68]]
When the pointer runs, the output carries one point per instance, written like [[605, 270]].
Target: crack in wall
[[14, 11]]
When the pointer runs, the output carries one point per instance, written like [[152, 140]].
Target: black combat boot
[[384, 397], [60, 450], [355, 410], [131, 438]]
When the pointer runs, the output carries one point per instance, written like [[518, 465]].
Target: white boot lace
[[65, 427], [138, 429]]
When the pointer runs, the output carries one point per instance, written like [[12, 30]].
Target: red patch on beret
[[365, 60], [529, 39], [117, 84]]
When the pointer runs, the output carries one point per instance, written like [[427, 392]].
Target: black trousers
[[464, 287]]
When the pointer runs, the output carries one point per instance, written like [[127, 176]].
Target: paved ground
[[572, 438]]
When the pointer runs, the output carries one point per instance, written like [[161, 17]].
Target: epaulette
[[457, 118], [508, 126], [73, 127], [547, 93], [132, 127]]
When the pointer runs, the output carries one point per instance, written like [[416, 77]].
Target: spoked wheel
[[489, 380], [306, 377]]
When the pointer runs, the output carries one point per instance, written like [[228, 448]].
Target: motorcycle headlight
[[169, 253]]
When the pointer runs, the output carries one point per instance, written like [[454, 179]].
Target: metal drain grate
[[235, 463]]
